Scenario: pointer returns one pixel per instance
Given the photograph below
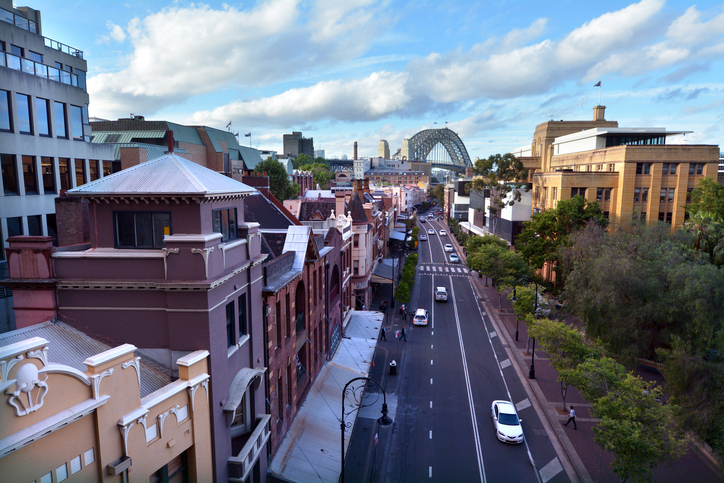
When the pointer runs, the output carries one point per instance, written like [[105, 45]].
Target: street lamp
[[357, 393], [527, 280]]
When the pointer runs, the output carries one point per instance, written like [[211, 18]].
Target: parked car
[[441, 294], [420, 317], [448, 248], [506, 422], [443, 233], [454, 258], [430, 231]]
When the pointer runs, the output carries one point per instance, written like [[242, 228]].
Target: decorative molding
[[125, 429], [41, 354], [166, 253], [204, 252], [6, 366], [97, 378], [136, 363], [205, 385], [175, 411], [26, 381], [192, 393], [162, 417]]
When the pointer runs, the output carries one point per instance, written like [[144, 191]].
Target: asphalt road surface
[[449, 375]]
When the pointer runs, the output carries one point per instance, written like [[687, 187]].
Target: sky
[[365, 70]]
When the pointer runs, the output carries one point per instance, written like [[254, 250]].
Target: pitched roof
[[356, 208], [257, 208], [315, 210], [169, 174]]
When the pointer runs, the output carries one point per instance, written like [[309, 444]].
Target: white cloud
[[690, 30], [117, 32]]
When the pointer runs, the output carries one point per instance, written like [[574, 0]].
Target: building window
[[242, 315], [279, 323], [672, 168], [290, 399], [688, 194], [142, 229], [356, 267], [578, 191], [76, 122], [645, 195], [288, 313], [700, 168], [93, 163], [225, 223], [175, 471], [599, 194], [10, 174], [15, 226], [314, 288], [665, 168], [555, 194], [61, 123], [321, 284], [25, 125], [662, 196], [29, 178], [35, 225], [607, 194], [5, 118], [80, 172], [43, 113], [643, 168], [64, 170], [356, 241], [280, 398], [671, 194], [230, 338]]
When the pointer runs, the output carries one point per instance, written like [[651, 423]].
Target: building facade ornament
[[29, 391]]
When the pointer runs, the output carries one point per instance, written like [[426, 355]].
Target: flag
[[247, 135], [597, 84], [228, 125]]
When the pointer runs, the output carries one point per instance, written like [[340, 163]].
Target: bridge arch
[[423, 142]]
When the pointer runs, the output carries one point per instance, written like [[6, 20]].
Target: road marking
[[430, 404], [550, 470], [430, 471], [430, 361], [505, 363], [432, 332], [431, 380], [431, 345], [476, 432], [493, 334], [430, 434], [524, 404]]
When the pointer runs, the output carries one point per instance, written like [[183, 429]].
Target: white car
[[443, 233], [420, 317], [430, 231], [423, 237], [454, 258], [448, 248], [506, 422]]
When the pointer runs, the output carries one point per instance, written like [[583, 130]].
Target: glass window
[[64, 170], [671, 194], [76, 121], [607, 194], [672, 168], [29, 178], [93, 163], [41, 70], [242, 315], [15, 50], [28, 66], [35, 225], [48, 172], [53, 74], [58, 65], [637, 194], [599, 194], [10, 174], [15, 226], [52, 227], [79, 172], [645, 195], [225, 223], [700, 168], [692, 167], [5, 123], [662, 197], [230, 338], [24, 122], [665, 168], [43, 113], [647, 168], [142, 229], [6, 16], [61, 123]]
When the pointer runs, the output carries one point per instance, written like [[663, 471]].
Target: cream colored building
[[78, 411], [633, 173]]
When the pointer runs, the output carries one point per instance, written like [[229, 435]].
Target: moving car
[[443, 233], [420, 317], [430, 231], [506, 422], [441, 294], [423, 219], [454, 258], [423, 237], [448, 248]]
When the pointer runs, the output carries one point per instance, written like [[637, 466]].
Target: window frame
[[229, 230], [8, 105], [26, 104], [155, 244], [230, 329]]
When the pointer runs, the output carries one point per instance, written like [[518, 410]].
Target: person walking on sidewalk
[[572, 417], [383, 334], [403, 335]]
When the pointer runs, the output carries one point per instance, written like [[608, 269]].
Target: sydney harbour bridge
[[442, 148]]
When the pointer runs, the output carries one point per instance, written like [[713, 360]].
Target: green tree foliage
[[320, 172], [707, 235], [546, 232], [503, 266], [301, 160], [505, 177], [321, 160], [403, 292], [708, 196], [438, 193], [279, 183], [474, 242]]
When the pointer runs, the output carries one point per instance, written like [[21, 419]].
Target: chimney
[[598, 113], [169, 138], [339, 202], [367, 185], [354, 156], [72, 220]]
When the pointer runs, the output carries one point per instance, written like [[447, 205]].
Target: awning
[[396, 235], [238, 386], [384, 271]]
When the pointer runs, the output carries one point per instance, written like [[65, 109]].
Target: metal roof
[[71, 347], [169, 174], [297, 241], [126, 136]]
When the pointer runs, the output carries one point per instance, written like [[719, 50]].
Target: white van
[[441, 294]]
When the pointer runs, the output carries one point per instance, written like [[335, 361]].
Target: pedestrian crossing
[[442, 269]]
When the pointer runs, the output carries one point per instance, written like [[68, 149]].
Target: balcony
[[240, 465]]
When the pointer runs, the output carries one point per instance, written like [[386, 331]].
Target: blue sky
[[365, 70]]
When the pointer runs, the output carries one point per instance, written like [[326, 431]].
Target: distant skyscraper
[[295, 144], [319, 153], [383, 149]]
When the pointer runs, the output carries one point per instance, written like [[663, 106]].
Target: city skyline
[[367, 70]]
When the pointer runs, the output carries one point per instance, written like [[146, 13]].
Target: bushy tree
[[707, 196], [301, 160], [403, 292], [279, 183], [320, 173], [505, 177]]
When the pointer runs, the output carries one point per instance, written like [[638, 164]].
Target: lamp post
[[527, 280], [357, 393]]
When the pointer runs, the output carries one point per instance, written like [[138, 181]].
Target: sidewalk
[[580, 456]]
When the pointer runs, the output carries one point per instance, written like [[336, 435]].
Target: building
[[295, 144], [383, 149], [396, 177], [44, 130], [635, 174], [320, 153], [80, 410], [170, 267]]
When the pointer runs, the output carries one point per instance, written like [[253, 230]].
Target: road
[[449, 375]]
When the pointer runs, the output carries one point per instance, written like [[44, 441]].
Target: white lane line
[[430, 404], [524, 404], [431, 380], [432, 332], [430, 434], [430, 471], [505, 363], [431, 345], [476, 433], [432, 311], [430, 361]]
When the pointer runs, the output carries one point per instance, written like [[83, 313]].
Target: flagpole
[[599, 93]]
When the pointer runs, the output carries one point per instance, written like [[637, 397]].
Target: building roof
[[257, 208], [71, 347], [297, 241], [314, 210], [356, 208], [169, 174]]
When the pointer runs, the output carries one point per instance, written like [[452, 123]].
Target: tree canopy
[[279, 183], [301, 160], [707, 196], [321, 173], [505, 177]]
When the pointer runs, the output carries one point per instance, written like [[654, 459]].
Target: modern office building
[[295, 144], [44, 130]]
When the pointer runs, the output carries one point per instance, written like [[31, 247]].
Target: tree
[[320, 172], [503, 266], [542, 236], [301, 160], [707, 235], [707, 196], [505, 177], [403, 292], [438, 193], [279, 183]]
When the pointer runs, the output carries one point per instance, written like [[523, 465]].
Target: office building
[[295, 144]]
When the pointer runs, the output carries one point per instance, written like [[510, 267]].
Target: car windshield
[[419, 317], [508, 419]]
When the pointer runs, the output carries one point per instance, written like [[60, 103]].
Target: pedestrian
[[363, 307], [383, 334], [572, 417], [405, 314], [403, 335]]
